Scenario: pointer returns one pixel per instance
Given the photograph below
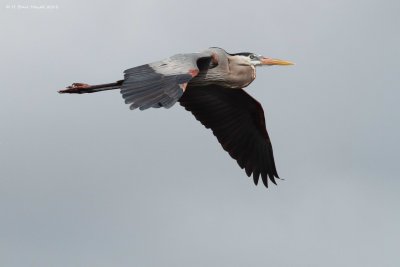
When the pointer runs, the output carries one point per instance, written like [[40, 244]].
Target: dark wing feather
[[162, 83], [237, 120]]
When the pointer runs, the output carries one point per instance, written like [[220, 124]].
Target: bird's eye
[[252, 57]]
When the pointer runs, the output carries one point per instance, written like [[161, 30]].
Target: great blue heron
[[210, 85]]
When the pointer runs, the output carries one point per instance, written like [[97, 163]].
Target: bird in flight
[[210, 85]]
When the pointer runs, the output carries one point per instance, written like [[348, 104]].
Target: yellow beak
[[273, 61]]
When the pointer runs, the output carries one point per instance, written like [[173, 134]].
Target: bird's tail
[[83, 88]]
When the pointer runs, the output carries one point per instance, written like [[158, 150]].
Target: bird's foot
[[75, 88]]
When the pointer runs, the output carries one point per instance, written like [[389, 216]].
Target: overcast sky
[[84, 181]]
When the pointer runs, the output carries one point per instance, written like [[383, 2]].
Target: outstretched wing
[[237, 120], [162, 83]]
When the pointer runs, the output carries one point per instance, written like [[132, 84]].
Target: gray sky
[[84, 181]]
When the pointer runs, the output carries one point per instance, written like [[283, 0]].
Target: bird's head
[[252, 59]]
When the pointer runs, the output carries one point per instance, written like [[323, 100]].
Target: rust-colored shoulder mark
[[193, 72]]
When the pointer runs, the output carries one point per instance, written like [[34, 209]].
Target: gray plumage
[[209, 85], [160, 84]]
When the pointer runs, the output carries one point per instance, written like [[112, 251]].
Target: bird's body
[[210, 85], [228, 73]]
